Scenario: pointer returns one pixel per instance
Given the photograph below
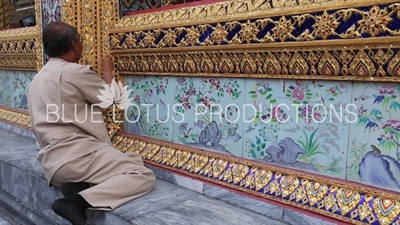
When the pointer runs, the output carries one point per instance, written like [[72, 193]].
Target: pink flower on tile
[[298, 94], [215, 83], [228, 89], [206, 101], [276, 112], [181, 81], [317, 116], [184, 99], [392, 123], [191, 91], [186, 105], [306, 111], [387, 89], [161, 88]]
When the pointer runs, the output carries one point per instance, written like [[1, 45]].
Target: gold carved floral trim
[[375, 63], [350, 23], [21, 48], [19, 51], [93, 20], [16, 117], [19, 33], [230, 10], [346, 202], [343, 44], [19, 62]]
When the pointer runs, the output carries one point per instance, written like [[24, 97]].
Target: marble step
[[10, 217], [269, 210], [24, 189]]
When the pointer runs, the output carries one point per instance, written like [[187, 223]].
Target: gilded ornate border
[[333, 24], [16, 117], [93, 19], [21, 48], [348, 202], [375, 63], [230, 10], [38, 40], [323, 41]]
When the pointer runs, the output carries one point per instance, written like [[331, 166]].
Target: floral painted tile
[[374, 146], [298, 124], [14, 88], [208, 114], [150, 113]]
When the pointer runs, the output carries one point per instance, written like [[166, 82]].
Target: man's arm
[[108, 68], [91, 83]]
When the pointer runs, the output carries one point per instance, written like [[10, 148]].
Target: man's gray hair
[[57, 38]]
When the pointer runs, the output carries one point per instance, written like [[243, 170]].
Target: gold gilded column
[[93, 20], [4, 15]]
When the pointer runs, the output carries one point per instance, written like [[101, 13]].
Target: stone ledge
[[21, 178], [242, 201], [9, 216], [314, 198]]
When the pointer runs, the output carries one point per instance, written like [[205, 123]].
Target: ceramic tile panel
[[298, 124], [150, 113], [14, 88], [324, 127], [375, 137], [208, 114]]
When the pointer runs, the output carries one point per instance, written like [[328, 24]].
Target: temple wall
[[311, 122], [14, 88], [15, 82]]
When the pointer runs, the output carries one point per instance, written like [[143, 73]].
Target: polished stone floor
[[8, 217]]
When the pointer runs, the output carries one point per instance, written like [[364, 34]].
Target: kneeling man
[[76, 151]]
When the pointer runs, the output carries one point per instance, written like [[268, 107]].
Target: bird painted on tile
[[363, 96], [376, 150], [250, 129], [233, 135], [317, 85]]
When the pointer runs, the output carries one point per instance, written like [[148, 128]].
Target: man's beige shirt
[[66, 122]]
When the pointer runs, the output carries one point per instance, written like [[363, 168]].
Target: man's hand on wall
[[108, 68]]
